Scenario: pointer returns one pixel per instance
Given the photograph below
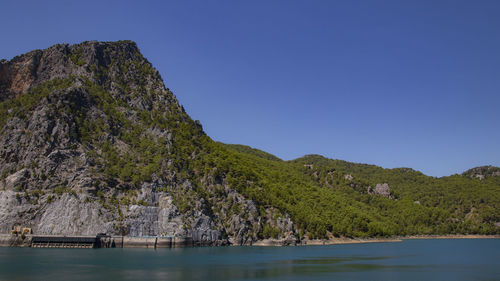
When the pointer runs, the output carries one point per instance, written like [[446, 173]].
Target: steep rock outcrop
[[381, 189]]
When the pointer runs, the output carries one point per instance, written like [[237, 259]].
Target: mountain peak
[[91, 59]]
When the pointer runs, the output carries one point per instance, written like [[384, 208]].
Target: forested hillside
[[335, 197], [92, 141]]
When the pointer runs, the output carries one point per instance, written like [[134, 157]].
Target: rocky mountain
[[92, 141]]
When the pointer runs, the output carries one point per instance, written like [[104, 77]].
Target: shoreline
[[451, 236], [7, 240], [345, 240], [321, 242]]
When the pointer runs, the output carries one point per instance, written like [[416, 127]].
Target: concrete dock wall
[[155, 242], [139, 242], [7, 240]]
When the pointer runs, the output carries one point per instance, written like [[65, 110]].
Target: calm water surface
[[443, 259]]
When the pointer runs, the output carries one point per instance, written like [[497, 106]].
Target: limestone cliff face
[[92, 141]]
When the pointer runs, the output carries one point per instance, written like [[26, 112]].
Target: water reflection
[[330, 260]]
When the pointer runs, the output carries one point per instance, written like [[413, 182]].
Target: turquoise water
[[440, 259]]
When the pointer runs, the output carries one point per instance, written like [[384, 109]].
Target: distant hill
[[253, 151], [92, 141]]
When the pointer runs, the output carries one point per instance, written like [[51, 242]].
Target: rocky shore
[[452, 236]]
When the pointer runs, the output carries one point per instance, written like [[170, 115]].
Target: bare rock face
[[12, 204], [16, 180], [381, 189], [348, 177], [169, 218], [69, 216]]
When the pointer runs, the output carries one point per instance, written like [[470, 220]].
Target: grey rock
[[381, 189], [70, 216], [12, 206], [348, 177], [17, 179]]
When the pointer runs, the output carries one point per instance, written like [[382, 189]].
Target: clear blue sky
[[393, 83]]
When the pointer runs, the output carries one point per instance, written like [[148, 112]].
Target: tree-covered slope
[[420, 204], [332, 197]]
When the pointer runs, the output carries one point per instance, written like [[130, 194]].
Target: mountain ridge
[[92, 141]]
